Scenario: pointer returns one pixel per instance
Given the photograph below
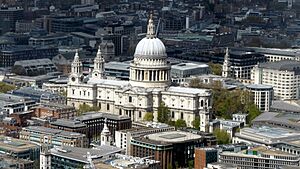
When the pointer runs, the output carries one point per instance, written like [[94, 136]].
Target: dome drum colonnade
[[150, 67]]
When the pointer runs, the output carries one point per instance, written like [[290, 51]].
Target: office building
[[39, 95], [275, 54], [33, 67], [240, 63], [262, 96], [18, 148], [75, 157], [167, 147], [54, 110], [282, 75], [184, 70], [264, 135], [55, 39], [260, 157], [10, 54], [203, 156], [15, 163], [13, 104], [53, 137], [95, 123], [288, 120], [124, 137], [9, 17]]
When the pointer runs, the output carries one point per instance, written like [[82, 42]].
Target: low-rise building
[[33, 67], [54, 137], [124, 137], [18, 148], [13, 104], [75, 157], [95, 123], [265, 135], [40, 95], [260, 157], [53, 110], [184, 70], [15, 163], [57, 85]]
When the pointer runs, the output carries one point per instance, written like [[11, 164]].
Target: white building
[[262, 96], [275, 54], [148, 87], [226, 69], [283, 75]]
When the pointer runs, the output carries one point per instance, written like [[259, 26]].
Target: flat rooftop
[[283, 65], [189, 66], [68, 123], [80, 154], [15, 145], [259, 86], [187, 90], [173, 136], [50, 131], [96, 115]]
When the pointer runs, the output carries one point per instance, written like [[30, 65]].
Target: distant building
[[203, 156], [24, 26], [167, 147], [183, 70], [55, 39], [56, 85], [10, 54], [108, 50], [33, 67], [69, 125], [9, 17], [262, 96], [242, 62], [53, 137], [282, 75], [274, 54], [260, 157], [39, 95]]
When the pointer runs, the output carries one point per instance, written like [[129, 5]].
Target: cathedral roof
[[150, 46]]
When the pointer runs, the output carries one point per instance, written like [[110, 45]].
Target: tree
[[222, 136], [148, 116], [83, 108], [253, 112], [196, 123], [6, 87], [191, 164], [180, 123], [216, 69], [163, 113]]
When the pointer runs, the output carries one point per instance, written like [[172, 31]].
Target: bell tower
[[76, 75], [98, 72], [105, 135]]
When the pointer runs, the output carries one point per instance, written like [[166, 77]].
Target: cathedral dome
[[150, 46]]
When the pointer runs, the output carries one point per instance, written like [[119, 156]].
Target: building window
[[130, 99], [140, 114], [173, 114], [120, 111], [73, 91], [99, 105], [202, 103], [107, 106], [181, 115]]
